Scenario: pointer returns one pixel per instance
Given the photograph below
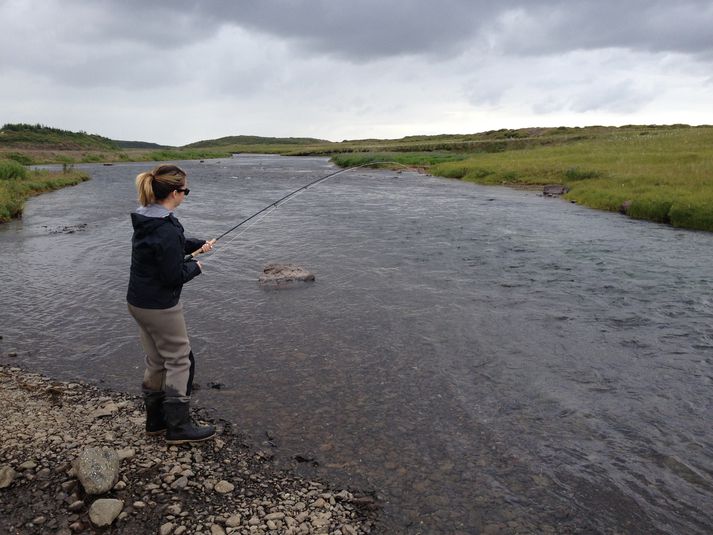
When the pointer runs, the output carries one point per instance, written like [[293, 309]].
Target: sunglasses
[[185, 191]]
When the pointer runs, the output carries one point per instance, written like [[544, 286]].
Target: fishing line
[[274, 205]]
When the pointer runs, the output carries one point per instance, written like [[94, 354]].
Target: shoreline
[[218, 487]]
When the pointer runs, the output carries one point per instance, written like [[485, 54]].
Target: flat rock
[[278, 274], [104, 511]]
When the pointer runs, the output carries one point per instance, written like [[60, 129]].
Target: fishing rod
[[284, 199]]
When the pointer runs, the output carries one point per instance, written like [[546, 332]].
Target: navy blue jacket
[[158, 271]]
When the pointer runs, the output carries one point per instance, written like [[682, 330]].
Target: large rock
[[7, 476], [97, 469], [104, 511], [277, 274]]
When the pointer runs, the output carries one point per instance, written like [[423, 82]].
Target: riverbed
[[486, 359]]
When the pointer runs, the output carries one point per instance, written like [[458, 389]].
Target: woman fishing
[[158, 273]]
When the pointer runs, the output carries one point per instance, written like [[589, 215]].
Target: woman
[[158, 272]]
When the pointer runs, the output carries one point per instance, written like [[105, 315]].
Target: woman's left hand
[[207, 246]]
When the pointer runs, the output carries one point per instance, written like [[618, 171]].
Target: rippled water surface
[[486, 359]]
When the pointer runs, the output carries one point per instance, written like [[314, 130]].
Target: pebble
[[223, 487], [174, 509], [180, 483], [215, 529], [166, 528], [7, 476], [75, 506], [126, 453], [319, 503], [233, 521]]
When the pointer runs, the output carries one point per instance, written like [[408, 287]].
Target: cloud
[[361, 68], [369, 29]]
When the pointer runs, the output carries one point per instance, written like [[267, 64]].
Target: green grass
[[411, 159], [14, 191], [185, 154], [663, 175], [12, 170]]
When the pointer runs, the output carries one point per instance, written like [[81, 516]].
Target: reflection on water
[[486, 359]]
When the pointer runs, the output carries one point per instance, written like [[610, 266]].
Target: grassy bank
[[656, 175], [17, 184]]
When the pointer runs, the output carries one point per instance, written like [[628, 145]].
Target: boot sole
[[175, 442], [156, 433]]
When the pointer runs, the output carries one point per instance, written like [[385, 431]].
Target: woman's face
[[180, 194]]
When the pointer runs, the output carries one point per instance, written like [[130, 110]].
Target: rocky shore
[[60, 442]]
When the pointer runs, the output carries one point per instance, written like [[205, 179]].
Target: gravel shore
[[218, 487]]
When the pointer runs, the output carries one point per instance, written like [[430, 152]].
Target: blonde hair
[[158, 184]]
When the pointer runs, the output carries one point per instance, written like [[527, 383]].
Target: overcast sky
[[179, 71]]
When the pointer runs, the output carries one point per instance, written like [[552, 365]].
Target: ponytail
[[158, 184], [144, 185]]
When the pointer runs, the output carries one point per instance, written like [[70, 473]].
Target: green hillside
[[27, 136], [138, 145], [254, 140]]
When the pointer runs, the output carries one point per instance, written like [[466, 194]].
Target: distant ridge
[[254, 140], [139, 145]]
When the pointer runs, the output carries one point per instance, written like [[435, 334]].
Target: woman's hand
[[207, 246]]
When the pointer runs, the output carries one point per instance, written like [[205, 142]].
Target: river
[[488, 360]]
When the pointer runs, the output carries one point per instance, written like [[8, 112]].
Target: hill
[[26, 136], [138, 145], [254, 140]]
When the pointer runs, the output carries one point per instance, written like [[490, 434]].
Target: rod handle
[[198, 251]]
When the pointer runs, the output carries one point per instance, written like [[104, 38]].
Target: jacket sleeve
[[192, 245], [173, 271]]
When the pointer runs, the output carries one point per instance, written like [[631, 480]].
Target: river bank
[[218, 487], [19, 184]]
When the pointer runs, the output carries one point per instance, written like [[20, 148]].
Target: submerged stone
[[278, 274]]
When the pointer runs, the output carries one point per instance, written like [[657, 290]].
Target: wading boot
[[181, 429], [155, 416]]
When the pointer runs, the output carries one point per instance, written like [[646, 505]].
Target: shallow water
[[484, 358]]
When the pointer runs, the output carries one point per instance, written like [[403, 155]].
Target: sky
[[174, 72]]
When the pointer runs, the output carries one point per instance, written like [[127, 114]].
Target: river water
[[486, 359]]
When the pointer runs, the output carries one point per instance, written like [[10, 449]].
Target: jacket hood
[[144, 225]]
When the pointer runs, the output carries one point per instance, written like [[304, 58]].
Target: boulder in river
[[278, 274]]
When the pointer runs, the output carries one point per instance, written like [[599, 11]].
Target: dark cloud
[[371, 29]]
